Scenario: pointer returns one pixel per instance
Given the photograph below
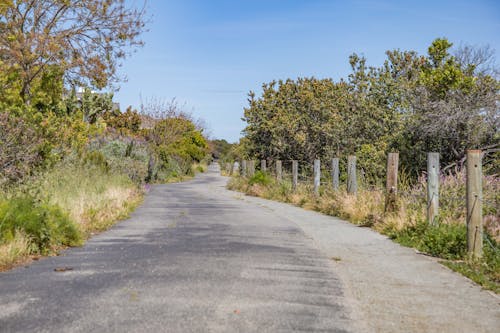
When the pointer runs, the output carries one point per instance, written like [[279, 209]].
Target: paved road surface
[[188, 260], [198, 258]]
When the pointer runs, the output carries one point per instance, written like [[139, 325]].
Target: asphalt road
[[192, 258]]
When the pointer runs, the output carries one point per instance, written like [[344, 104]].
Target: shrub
[[96, 159], [124, 156], [260, 178], [20, 149], [448, 241], [45, 225], [128, 121]]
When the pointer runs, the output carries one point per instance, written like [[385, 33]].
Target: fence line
[[318, 174]]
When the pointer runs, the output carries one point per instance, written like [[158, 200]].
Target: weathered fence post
[[432, 187], [295, 173], [251, 168], [352, 182], [474, 203], [279, 171], [317, 176], [335, 174], [236, 168], [244, 168], [391, 184], [263, 165]]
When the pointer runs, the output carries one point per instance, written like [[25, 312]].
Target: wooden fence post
[[352, 182], [317, 176], [236, 168], [244, 168], [295, 173], [335, 174], [432, 187], [474, 203], [251, 168], [279, 171], [391, 184], [263, 165]]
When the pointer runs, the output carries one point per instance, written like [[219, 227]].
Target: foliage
[[45, 225], [219, 148], [21, 150], [447, 241], [177, 144], [486, 271], [125, 122], [88, 190], [95, 105], [83, 39], [412, 104], [123, 156], [260, 178]]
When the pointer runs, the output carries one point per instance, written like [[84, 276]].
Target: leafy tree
[[178, 138], [451, 108], [219, 148], [412, 103], [85, 39]]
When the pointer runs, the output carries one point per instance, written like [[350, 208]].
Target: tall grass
[[14, 250], [62, 206], [92, 196]]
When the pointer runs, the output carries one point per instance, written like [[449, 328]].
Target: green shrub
[[45, 225], [260, 178], [96, 158], [448, 241]]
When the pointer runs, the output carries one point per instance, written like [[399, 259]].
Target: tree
[[413, 103], [178, 137], [453, 106], [85, 39]]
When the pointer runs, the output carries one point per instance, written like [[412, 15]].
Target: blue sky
[[209, 54]]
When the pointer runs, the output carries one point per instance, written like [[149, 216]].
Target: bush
[[260, 178], [20, 150], [45, 225], [124, 156], [448, 241]]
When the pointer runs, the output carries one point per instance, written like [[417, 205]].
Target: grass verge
[[61, 208]]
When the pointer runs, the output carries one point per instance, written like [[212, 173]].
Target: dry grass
[[114, 204], [15, 251], [367, 206], [93, 198]]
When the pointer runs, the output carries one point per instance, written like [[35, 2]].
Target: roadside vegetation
[[446, 101], [71, 162]]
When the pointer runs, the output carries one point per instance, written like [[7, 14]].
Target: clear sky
[[210, 53]]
